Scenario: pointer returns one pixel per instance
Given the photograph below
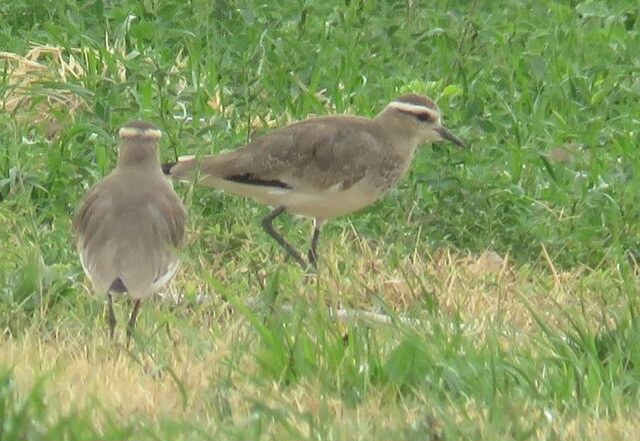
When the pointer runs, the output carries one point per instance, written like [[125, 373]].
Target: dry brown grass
[[625, 427], [32, 95], [97, 373], [486, 290], [37, 92], [96, 376]]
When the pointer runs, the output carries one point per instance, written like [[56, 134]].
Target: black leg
[[131, 326], [111, 316], [313, 251], [268, 227]]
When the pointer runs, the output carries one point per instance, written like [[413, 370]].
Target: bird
[[130, 226], [322, 167]]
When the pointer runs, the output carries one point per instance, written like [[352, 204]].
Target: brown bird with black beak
[[323, 167], [131, 225]]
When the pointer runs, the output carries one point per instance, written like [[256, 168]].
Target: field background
[[514, 259]]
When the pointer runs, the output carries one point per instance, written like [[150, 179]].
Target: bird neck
[[399, 133], [139, 154]]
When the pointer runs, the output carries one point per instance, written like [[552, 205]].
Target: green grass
[[543, 347]]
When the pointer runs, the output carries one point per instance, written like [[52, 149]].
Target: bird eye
[[425, 117]]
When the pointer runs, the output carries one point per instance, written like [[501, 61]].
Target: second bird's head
[[139, 143], [420, 118]]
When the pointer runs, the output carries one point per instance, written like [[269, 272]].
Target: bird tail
[[166, 167], [118, 286], [185, 169]]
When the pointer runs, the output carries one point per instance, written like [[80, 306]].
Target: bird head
[[139, 143], [419, 118]]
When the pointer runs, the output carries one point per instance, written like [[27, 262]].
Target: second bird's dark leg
[[111, 316], [131, 326], [268, 227], [313, 250]]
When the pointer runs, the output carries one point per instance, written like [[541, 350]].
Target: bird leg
[[111, 316], [132, 320], [268, 227], [313, 250]]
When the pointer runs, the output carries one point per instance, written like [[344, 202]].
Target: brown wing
[[316, 153], [172, 213], [83, 214], [126, 227]]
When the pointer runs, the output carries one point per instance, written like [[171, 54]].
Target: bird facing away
[[130, 225], [322, 167]]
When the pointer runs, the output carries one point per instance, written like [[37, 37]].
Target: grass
[[515, 259]]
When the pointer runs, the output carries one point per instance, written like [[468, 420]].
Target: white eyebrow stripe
[[413, 108], [131, 132]]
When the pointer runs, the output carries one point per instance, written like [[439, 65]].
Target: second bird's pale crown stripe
[[131, 132]]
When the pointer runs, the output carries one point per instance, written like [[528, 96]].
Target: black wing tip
[[250, 179], [167, 166]]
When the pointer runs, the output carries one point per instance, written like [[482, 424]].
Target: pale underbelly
[[322, 204]]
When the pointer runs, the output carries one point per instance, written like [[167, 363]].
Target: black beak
[[448, 136]]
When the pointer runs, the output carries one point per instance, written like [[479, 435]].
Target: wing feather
[[314, 154]]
